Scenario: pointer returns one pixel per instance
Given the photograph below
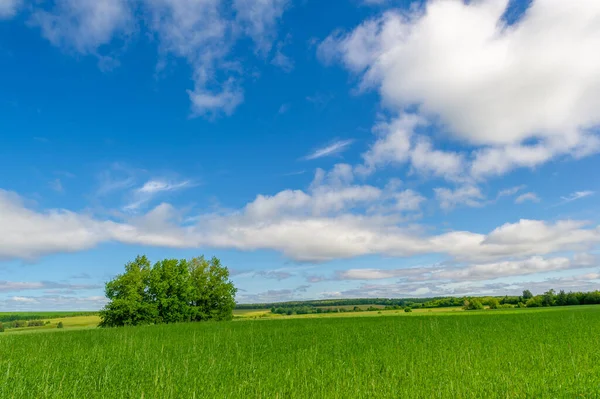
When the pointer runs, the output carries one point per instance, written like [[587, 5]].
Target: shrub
[[493, 303], [60, 325], [408, 309], [535, 302], [35, 323], [472, 304], [1, 327]]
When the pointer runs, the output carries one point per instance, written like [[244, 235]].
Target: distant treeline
[[448, 301], [7, 317], [23, 323], [526, 300]]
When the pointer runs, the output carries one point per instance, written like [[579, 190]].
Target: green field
[[526, 353]]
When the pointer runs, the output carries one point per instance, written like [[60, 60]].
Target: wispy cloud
[[510, 191], [56, 185], [320, 100], [152, 188], [296, 173], [573, 197], [281, 60], [331, 149], [116, 177], [156, 186], [527, 197], [284, 108]]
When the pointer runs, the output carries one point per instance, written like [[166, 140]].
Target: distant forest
[[527, 299]]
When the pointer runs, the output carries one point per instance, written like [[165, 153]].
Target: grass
[[489, 354]]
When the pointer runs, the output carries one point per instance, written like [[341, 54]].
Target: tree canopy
[[170, 291]]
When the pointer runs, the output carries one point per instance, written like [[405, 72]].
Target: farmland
[[549, 352]]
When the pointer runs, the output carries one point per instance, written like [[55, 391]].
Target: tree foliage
[[170, 291], [472, 304]]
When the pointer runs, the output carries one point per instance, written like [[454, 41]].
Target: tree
[[548, 298], [60, 325], [213, 295], [472, 304], [493, 303], [527, 295], [535, 302], [130, 303], [171, 291], [561, 298]]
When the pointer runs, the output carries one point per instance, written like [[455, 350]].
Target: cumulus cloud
[[398, 144], [313, 226], [520, 94]]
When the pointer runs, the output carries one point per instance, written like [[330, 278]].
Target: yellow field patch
[[70, 323]]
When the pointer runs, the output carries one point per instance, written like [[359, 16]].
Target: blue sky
[[359, 148]]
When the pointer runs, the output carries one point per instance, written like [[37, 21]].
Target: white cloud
[[425, 159], [202, 32], [397, 144], [394, 143], [465, 195], [584, 282], [536, 264], [527, 197], [507, 192], [155, 186], [375, 2], [9, 8], [206, 102], [84, 26], [575, 196], [17, 286], [23, 299], [52, 302], [151, 189], [330, 149], [258, 18], [495, 87], [312, 226], [282, 61], [378, 274]]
